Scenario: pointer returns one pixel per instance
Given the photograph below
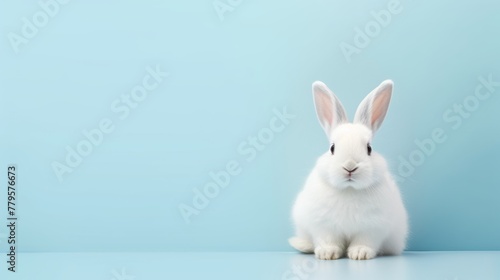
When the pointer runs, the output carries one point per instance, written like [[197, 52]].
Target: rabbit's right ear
[[330, 111], [371, 112]]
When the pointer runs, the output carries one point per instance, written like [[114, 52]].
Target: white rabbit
[[350, 201]]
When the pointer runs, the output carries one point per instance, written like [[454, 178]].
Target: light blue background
[[225, 79]]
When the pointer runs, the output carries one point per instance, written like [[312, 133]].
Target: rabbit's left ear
[[371, 112], [330, 111]]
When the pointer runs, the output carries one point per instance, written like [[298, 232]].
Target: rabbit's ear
[[371, 112], [330, 111]]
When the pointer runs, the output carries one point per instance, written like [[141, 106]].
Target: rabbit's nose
[[350, 166]]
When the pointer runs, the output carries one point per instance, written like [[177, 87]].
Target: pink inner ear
[[325, 106], [379, 108]]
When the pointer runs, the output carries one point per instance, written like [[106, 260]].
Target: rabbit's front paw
[[328, 252], [361, 253]]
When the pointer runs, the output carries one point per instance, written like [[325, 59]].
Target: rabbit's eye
[[332, 148], [369, 148]]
